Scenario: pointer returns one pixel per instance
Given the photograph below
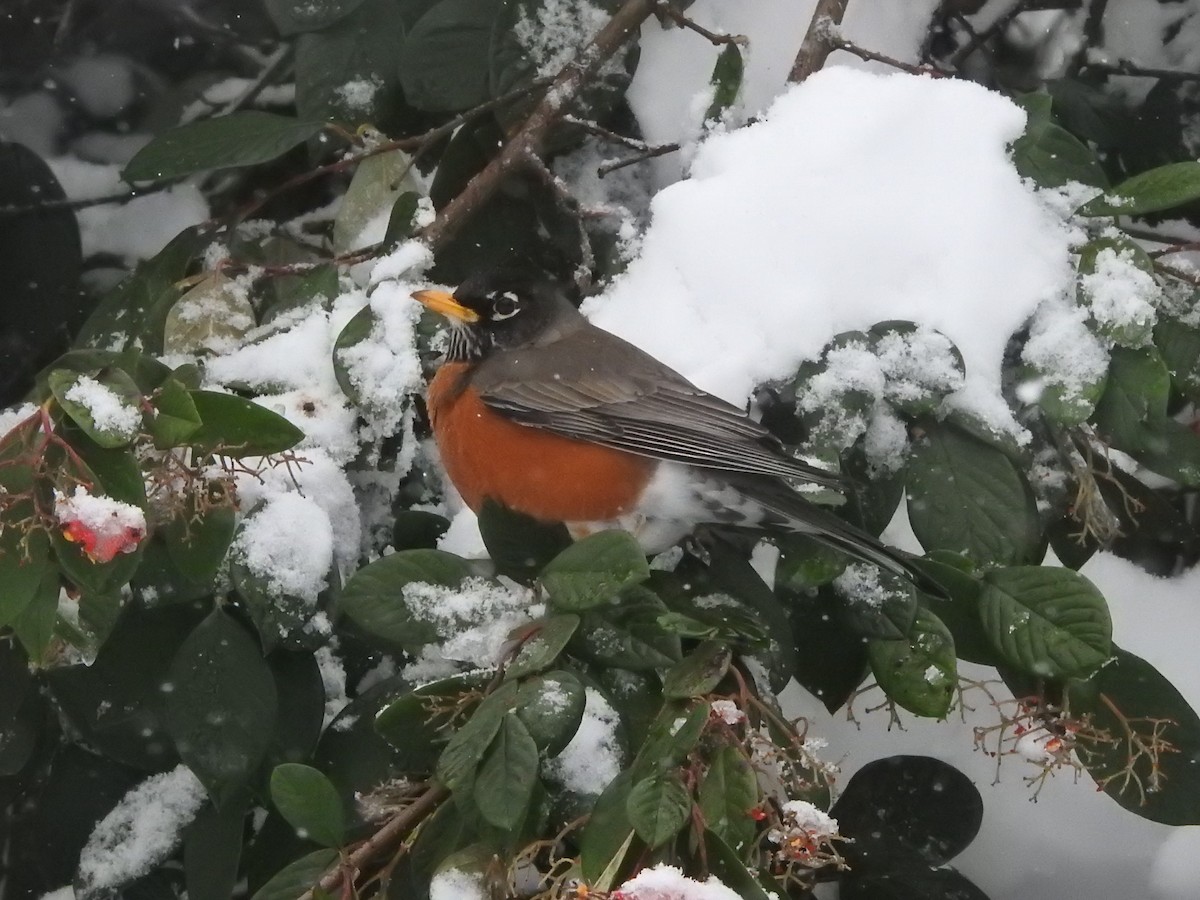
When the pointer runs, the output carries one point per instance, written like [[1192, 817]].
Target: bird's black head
[[500, 311]]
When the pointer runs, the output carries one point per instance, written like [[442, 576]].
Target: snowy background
[[861, 196]]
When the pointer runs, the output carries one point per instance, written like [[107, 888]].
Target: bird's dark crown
[[513, 310]]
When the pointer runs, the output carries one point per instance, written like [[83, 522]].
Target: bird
[[537, 409]]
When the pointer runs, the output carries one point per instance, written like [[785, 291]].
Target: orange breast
[[529, 470]]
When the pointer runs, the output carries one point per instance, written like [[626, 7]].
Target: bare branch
[[1126, 67], [839, 43], [982, 37], [818, 40], [716, 38], [650, 152]]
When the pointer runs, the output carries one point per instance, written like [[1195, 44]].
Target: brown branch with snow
[[529, 138], [819, 40]]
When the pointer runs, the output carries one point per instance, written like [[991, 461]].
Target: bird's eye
[[505, 305]]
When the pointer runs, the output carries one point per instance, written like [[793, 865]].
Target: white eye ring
[[512, 299]]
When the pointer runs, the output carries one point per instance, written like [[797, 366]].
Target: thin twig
[[611, 166], [600, 131], [381, 840], [818, 40], [839, 43], [83, 203], [713, 37], [1127, 67], [280, 58], [566, 86], [982, 37]]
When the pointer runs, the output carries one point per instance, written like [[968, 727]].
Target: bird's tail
[[805, 517]]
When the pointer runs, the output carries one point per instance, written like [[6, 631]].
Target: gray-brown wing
[[595, 387]]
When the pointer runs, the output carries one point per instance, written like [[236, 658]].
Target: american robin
[[538, 409]]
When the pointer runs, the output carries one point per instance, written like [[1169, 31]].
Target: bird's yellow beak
[[444, 304]]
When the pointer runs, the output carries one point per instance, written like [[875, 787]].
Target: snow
[[593, 757], [455, 884], [288, 544], [663, 882], [757, 260], [141, 831], [108, 411], [1121, 297]]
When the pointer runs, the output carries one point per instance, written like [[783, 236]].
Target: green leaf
[[607, 835], [414, 730], [1050, 622], [132, 314], [876, 603], [1179, 345], [237, 427], [175, 416], [659, 807], [919, 672], [298, 877], [1165, 187], [726, 81], [467, 747], [626, 634], [805, 563], [550, 637], [221, 705], [1139, 387], [444, 64], [551, 707], [831, 660], [102, 416], [34, 625], [372, 596], [243, 138], [309, 802], [378, 183], [968, 497], [699, 672], [212, 850], [1171, 449], [197, 543], [672, 735], [24, 563], [727, 794], [1129, 697], [293, 17], [360, 50], [594, 570], [1049, 154], [506, 777], [358, 329], [520, 545], [728, 865], [210, 318], [402, 222]]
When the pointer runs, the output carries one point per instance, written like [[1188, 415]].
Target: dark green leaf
[[293, 17], [1139, 387], [243, 138], [1049, 622], [373, 595], [96, 419], [518, 544], [551, 706], [1158, 780], [212, 850], [506, 777], [912, 805], [668, 740], [1049, 154], [413, 729], [298, 877], [1166, 187], [805, 563], [727, 794], [918, 672], [875, 603], [726, 81], [237, 427], [197, 545], [34, 626], [221, 706], [699, 672], [357, 330], [549, 638], [594, 570], [1179, 345], [728, 865], [361, 50], [403, 219], [467, 747], [1171, 449], [444, 64], [24, 564], [659, 807], [968, 497], [625, 633], [607, 835], [379, 181], [175, 416], [310, 803], [831, 660], [416, 529]]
